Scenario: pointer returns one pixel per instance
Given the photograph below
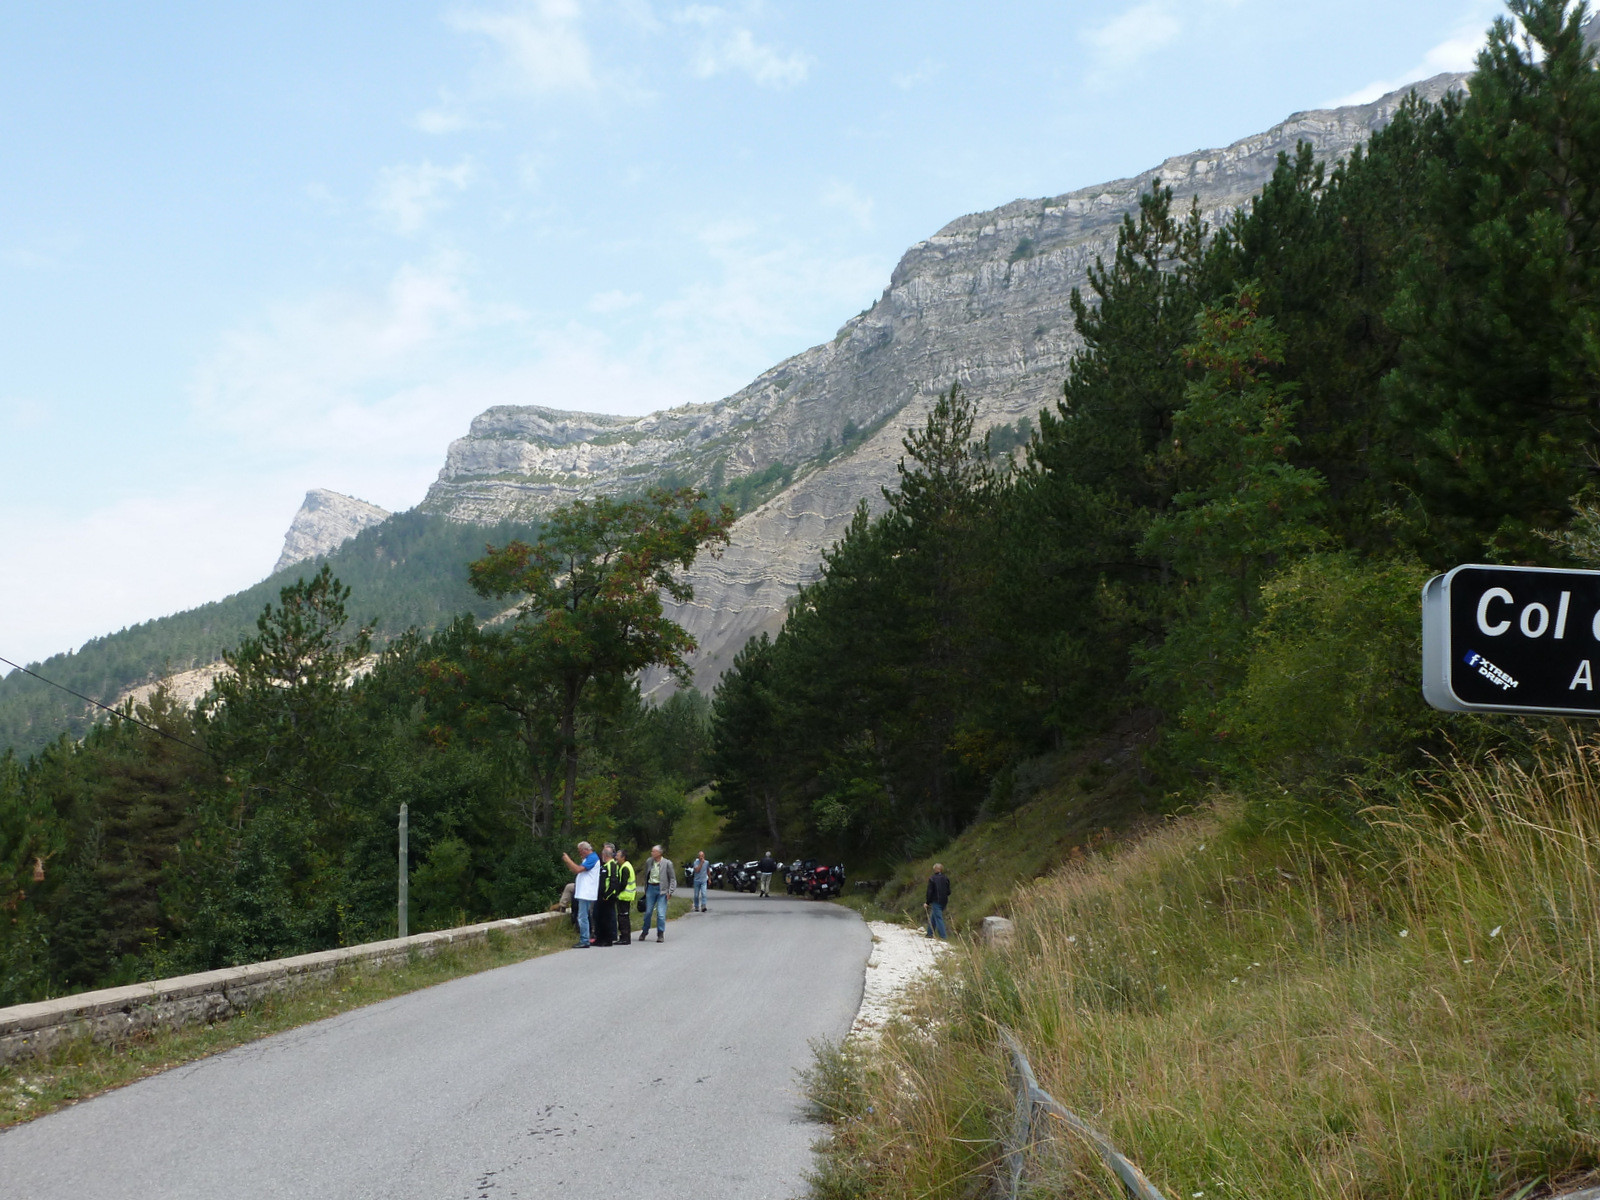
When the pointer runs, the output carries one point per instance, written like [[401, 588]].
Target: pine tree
[[1240, 507], [1501, 371]]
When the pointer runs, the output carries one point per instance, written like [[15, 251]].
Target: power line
[[121, 716]]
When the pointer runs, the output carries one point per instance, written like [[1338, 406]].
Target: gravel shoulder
[[901, 956]]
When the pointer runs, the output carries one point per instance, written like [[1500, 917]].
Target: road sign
[[1512, 639]]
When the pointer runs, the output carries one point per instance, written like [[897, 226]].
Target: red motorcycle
[[823, 882]]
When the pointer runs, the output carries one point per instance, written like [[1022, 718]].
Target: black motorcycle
[[795, 878], [745, 877], [717, 876]]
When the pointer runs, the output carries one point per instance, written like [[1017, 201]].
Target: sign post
[[405, 873], [1512, 640]]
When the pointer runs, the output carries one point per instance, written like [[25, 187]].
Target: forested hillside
[[1335, 944], [1274, 432], [408, 571]]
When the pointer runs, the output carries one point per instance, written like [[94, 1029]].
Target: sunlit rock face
[[326, 521], [983, 303]]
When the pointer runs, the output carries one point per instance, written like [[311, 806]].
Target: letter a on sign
[[1583, 677]]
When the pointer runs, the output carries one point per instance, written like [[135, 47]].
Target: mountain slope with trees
[[1273, 432], [409, 571]]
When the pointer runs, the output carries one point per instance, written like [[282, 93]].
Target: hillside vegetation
[[1275, 431], [1274, 1010], [410, 571], [1357, 958], [1068, 805]]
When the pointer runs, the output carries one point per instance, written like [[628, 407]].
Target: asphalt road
[[656, 1070]]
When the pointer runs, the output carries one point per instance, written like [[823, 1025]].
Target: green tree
[[1081, 591], [268, 873], [498, 681], [1500, 372], [940, 566], [745, 742], [591, 589], [279, 715], [1240, 504]]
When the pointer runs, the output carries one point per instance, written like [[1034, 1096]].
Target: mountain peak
[[326, 521]]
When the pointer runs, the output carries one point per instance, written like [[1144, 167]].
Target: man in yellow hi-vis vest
[[625, 899]]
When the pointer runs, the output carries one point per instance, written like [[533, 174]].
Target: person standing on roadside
[[625, 898], [700, 874], [605, 909], [586, 877], [938, 896], [660, 881], [764, 870]]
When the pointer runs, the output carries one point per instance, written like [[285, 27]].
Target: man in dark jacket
[[938, 896], [605, 910], [764, 870], [625, 895]]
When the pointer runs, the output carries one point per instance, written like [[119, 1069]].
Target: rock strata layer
[[326, 521], [983, 303]]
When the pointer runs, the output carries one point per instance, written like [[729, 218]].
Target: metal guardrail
[[1033, 1104]]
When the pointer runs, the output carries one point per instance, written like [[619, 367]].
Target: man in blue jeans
[[937, 897], [660, 881], [586, 887], [700, 875]]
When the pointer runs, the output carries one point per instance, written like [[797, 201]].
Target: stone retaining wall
[[114, 1013]]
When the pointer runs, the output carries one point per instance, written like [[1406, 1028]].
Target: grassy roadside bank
[[1253, 1012], [32, 1087], [1059, 809]]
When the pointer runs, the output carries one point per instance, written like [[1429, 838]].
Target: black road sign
[[1512, 639]]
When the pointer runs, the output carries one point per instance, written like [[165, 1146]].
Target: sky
[[251, 249]]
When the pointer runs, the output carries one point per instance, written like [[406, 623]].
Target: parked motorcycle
[[794, 879], [825, 882], [717, 876], [745, 878]]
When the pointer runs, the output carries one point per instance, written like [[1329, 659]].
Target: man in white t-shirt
[[586, 874]]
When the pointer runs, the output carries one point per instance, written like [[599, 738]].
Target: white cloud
[[448, 116], [844, 197], [1456, 53], [407, 195], [42, 253], [699, 14], [542, 44], [736, 50], [24, 414], [344, 374], [614, 301], [1138, 32], [765, 288], [925, 71]]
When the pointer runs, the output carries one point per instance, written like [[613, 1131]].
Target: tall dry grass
[[1253, 1013]]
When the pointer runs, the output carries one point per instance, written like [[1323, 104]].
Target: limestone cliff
[[983, 303], [326, 521]]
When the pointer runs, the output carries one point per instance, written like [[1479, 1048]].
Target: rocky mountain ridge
[[984, 302], [326, 521]]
